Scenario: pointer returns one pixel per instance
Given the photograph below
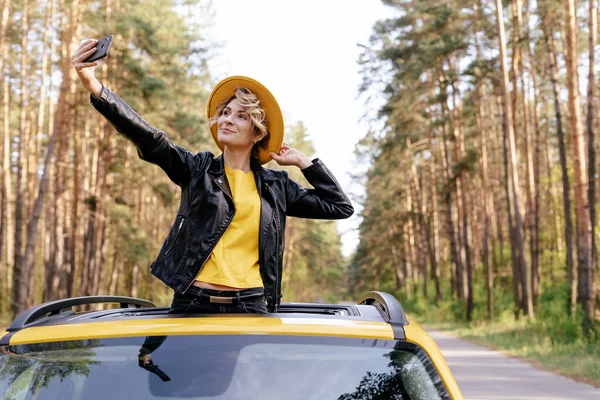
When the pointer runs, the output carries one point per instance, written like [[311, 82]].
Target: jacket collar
[[217, 168]]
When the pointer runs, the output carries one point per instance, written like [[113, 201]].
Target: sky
[[306, 53]]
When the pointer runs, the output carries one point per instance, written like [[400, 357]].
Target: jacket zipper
[[176, 236], [276, 299], [216, 241], [276, 303]]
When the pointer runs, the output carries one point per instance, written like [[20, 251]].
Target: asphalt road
[[484, 374]]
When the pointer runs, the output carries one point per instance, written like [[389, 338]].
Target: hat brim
[[225, 89]]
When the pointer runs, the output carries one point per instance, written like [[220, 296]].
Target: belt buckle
[[221, 300]]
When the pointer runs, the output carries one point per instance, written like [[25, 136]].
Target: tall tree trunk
[[529, 279], [462, 189], [4, 201], [535, 180], [43, 94], [21, 276], [89, 152], [35, 146], [49, 216], [531, 150], [57, 275], [468, 245], [31, 159], [591, 101], [6, 216], [555, 242], [434, 231], [4, 13], [99, 281], [116, 272], [411, 231], [134, 280], [516, 269], [585, 279], [517, 294], [407, 259], [562, 153], [451, 212], [94, 211], [485, 189], [496, 182], [28, 258], [421, 230], [398, 268], [74, 225], [61, 128], [518, 223], [516, 66], [461, 274]]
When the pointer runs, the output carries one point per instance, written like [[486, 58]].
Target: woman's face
[[235, 130]]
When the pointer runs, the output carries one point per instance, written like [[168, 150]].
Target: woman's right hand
[[85, 71]]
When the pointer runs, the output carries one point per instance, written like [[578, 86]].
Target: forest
[[481, 188]]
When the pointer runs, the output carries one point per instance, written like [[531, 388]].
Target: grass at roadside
[[554, 340], [578, 360]]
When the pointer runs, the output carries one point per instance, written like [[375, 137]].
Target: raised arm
[[326, 201], [152, 144]]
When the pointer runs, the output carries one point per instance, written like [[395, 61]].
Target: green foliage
[[129, 239], [436, 68], [553, 322], [420, 52]]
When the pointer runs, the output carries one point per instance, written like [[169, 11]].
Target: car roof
[[377, 315], [204, 325]]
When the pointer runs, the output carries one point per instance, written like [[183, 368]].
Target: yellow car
[[368, 350]]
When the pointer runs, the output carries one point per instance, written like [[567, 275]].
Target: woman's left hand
[[290, 156]]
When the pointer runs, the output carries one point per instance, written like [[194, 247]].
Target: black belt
[[226, 296]]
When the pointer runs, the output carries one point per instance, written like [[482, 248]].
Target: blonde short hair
[[251, 106]]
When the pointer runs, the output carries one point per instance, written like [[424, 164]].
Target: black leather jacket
[[207, 207]]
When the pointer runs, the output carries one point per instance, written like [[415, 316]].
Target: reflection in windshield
[[408, 379], [44, 367], [220, 367]]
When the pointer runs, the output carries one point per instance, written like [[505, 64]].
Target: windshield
[[219, 367]]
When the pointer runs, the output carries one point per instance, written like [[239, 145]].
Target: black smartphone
[[102, 48]]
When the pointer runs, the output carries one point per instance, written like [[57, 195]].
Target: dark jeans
[[203, 301]]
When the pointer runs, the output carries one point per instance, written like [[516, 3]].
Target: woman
[[224, 251]]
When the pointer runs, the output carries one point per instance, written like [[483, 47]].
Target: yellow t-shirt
[[234, 260]]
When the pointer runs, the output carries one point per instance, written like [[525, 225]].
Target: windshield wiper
[[150, 366]]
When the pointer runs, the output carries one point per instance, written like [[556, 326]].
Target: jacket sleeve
[[325, 201], [152, 144]]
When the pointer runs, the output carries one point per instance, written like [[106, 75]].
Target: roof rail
[[390, 309], [60, 306]]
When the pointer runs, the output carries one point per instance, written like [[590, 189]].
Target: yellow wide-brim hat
[[225, 89]]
